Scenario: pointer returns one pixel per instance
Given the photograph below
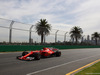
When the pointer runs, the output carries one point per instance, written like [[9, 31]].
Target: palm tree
[[76, 33], [42, 29], [96, 36]]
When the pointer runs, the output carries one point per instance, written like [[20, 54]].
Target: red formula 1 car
[[45, 52]]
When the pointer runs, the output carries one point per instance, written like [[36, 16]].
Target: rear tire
[[58, 54], [37, 56]]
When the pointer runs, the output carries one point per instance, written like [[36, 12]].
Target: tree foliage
[[76, 33], [96, 36], [43, 28]]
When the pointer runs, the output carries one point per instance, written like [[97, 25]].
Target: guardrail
[[11, 48]]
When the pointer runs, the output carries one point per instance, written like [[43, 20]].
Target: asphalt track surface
[[69, 61]]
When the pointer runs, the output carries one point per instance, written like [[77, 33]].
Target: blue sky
[[61, 14]]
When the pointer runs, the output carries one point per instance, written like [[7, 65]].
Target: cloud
[[61, 14], [87, 16]]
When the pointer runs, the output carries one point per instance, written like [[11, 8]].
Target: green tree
[[42, 29], [96, 36], [76, 33]]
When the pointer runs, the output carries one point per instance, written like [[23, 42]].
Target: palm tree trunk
[[96, 40], [76, 39], [42, 38]]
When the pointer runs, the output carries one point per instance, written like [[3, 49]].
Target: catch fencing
[[12, 32]]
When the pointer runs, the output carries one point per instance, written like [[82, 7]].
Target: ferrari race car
[[45, 52]]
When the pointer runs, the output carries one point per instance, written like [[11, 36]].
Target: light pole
[[37, 40], [10, 32], [30, 30], [56, 36], [65, 36]]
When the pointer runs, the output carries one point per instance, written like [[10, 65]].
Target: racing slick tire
[[24, 53], [58, 54], [37, 56]]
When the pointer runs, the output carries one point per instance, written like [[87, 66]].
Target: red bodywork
[[27, 55], [45, 52]]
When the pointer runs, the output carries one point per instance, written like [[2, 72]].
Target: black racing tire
[[37, 56], [24, 53], [58, 54]]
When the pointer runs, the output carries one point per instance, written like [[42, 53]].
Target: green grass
[[92, 70]]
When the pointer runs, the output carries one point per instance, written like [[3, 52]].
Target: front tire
[[18, 57], [24, 53], [58, 54]]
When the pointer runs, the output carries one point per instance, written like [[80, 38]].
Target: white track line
[[59, 65]]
